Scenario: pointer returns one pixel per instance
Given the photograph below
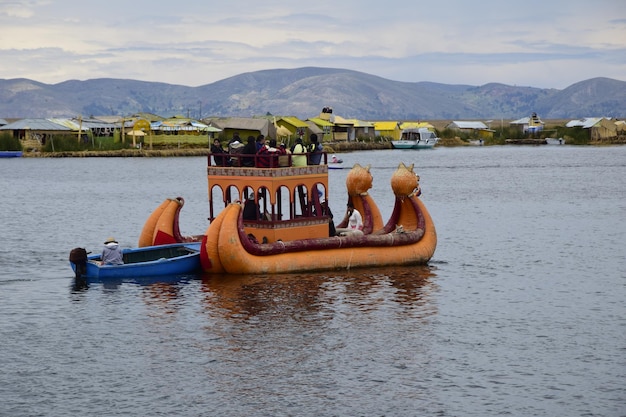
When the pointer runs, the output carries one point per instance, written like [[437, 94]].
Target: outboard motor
[[78, 256]]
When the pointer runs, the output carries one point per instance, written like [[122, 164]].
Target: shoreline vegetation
[[70, 146], [204, 151], [186, 149]]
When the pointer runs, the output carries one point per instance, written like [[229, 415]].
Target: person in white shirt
[[355, 222]]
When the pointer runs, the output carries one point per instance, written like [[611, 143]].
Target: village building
[[471, 128], [325, 128], [600, 128], [244, 126], [180, 125], [297, 128], [343, 130], [33, 133], [389, 130], [531, 125], [314, 128], [363, 130]]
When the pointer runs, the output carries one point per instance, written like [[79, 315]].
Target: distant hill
[[303, 92]]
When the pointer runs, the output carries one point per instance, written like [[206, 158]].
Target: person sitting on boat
[[335, 160], [315, 151], [111, 253], [219, 154], [260, 142], [235, 147], [298, 148], [251, 210], [325, 212], [283, 154], [235, 138], [249, 149], [355, 222], [267, 156]]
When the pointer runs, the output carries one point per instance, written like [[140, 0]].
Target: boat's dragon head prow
[[405, 182], [359, 180], [162, 227]]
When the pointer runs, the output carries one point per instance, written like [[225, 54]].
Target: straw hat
[[110, 240]]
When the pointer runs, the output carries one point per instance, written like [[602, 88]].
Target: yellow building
[[389, 129]]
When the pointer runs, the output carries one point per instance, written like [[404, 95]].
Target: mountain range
[[303, 92]]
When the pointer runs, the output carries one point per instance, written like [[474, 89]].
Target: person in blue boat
[[112, 253]]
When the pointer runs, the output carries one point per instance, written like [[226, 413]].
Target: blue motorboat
[[10, 154], [149, 261]]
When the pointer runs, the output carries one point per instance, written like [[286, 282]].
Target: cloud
[[536, 43]]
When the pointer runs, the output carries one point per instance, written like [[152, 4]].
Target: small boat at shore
[[288, 227], [335, 163], [416, 138], [10, 154], [149, 261], [555, 141]]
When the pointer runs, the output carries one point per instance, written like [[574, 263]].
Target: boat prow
[[162, 227]]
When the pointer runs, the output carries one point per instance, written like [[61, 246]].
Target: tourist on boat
[[326, 212], [283, 155], [111, 253], [220, 157], [249, 149], [315, 151], [298, 148], [235, 146], [354, 220], [260, 142], [251, 210], [331, 224], [279, 149], [235, 138], [267, 156], [263, 158]]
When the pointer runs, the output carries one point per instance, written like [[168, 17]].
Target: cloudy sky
[[546, 44]]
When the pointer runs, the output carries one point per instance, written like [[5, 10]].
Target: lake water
[[521, 311]]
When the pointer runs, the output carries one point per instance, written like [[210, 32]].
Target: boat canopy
[[289, 200]]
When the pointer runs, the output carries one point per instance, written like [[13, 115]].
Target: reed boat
[[275, 220]]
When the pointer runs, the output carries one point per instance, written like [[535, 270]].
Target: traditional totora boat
[[149, 261], [275, 220]]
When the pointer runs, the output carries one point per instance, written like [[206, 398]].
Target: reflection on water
[[294, 295], [114, 283]]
